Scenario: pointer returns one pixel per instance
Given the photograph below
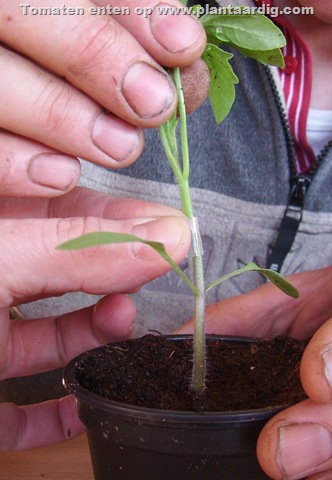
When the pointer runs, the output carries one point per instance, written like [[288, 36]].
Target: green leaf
[[252, 31], [95, 239], [215, 36], [266, 57], [222, 81], [277, 279]]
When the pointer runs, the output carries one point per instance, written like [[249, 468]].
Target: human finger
[[81, 202], [99, 270], [316, 365], [38, 425], [49, 110], [267, 312], [297, 442], [166, 30], [28, 168], [44, 344], [99, 57], [249, 314]]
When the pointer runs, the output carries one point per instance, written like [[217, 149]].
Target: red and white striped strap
[[296, 79]]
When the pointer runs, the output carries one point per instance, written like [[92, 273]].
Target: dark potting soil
[[154, 371]]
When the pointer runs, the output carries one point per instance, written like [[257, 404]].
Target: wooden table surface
[[66, 461]]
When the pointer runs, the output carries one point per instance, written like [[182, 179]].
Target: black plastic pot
[[134, 443]]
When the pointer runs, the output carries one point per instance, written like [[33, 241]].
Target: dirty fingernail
[[302, 448], [114, 137], [174, 32], [54, 170], [148, 91]]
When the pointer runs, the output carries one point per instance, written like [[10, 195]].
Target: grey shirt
[[240, 178]]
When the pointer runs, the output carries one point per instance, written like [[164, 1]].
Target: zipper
[[299, 186]]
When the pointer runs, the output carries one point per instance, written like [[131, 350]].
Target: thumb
[[297, 442], [29, 247], [316, 365]]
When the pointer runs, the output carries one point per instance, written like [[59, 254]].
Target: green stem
[[185, 199], [173, 161], [182, 176], [199, 365], [183, 128]]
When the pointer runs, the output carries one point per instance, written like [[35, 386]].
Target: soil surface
[[155, 371]]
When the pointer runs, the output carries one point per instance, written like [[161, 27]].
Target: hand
[[32, 268], [297, 442], [83, 86]]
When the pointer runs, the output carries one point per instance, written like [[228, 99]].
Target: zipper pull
[[290, 222]]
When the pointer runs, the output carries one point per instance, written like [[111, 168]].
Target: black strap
[[290, 222], [287, 232]]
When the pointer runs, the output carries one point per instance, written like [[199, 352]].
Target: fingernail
[[174, 32], [148, 91], [114, 137], [327, 359], [170, 231], [53, 170], [302, 448]]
